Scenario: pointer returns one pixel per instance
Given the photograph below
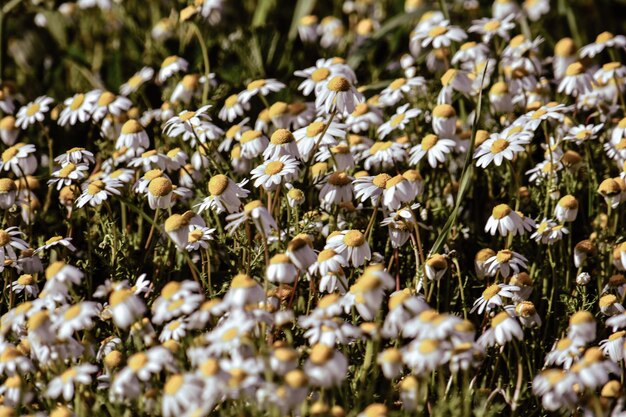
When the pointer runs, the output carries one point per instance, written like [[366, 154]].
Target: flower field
[[346, 208]]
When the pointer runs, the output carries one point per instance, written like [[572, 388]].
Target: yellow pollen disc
[[339, 84], [492, 25], [68, 375], [170, 289], [186, 115], [285, 354], [25, 279], [9, 153], [581, 317], [72, 312], [252, 205], [231, 101], [279, 258], [525, 309], [5, 238], [611, 66], [281, 137], [563, 344], [54, 269], [274, 167], [131, 126], [609, 187], [397, 83], [7, 123], [118, 297], [149, 153], [574, 69], [499, 145], [152, 174], [593, 355], [173, 384], [250, 135], [500, 211], [66, 170], [53, 239], [607, 300], [160, 187], [315, 129], [437, 262], [7, 185], [296, 378], [612, 389], [565, 47], [375, 410], [242, 281], [394, 181], [194, 236], [617, 335], [280, 108], [354, 238], [491, 291], [428, 346], [504, 256], [320, 354], [569, 202], [106, 98], [255, 84], [308, 20], [380, 180], [320, 74], [484, 254], [444, 111], [339, 179], [429, 141], [499, 88], [237, 376], [437, 31], [33, 109], [396, 120], [360, 109], [604, 37], [232, 131], [448, 76], [398, 298], [169, 61], [77, 101], [210, 367], [218, 184], [37, 320], [190, 81], [295, 194], [499, 319]]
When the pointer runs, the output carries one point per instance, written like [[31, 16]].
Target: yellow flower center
[[491, 291], [72, 312], [173, 384], [429, 141], [9, 153], [339, 84], [281, 137], [255, 85], [499, 319], [315, 129], [500, 211], [231, 101], [320, 74], [437, 31], [77, 102], [492, 25], [499, 145], [5, 238], [320, 354], [160, 187], [169, 61], [396, 120], [603, 37], [360, 109], [218, 184], [33, 109], [274, 167], [504, 256], [354, 238], [131, 126], [574, 69], [252, 205], [394, 181], [428, 346], [186, 115]]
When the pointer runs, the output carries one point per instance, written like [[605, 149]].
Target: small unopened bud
[[583, 278]]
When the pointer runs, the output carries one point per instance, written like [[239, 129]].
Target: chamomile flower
[[505, 221], [501, 146], [489, 28], [170, 66], [576, 81], [77, 108], [272, 173], [317, 135], [256, 212], [108, 103], [440, 36], [64, 384], [33, 112], [224, 195], [399, 89], [504, 328], [492, 297], [603, 40], [399, 121], [137, 80], [351, 245], [506, 262], [338, 94], [262, 87], [433, 148]]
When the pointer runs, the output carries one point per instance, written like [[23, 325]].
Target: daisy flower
[[399, 89], [232, 108], [64, 384], [27, 284], [170, 66], [351, 245], [338, 94], [326, 367], [126, 307], [384, 155], [8, 193], [425, 355], [133, 137], [363, 117], [256, 212], [505, 262], [262, 87], [583, 133], [603, 41], [68, 174], [77, 108], [33, 112], [399, 120], [57, 241], [555, 387], [224, 195], [281, 270], [576, 81], [440, 36], [310, 138], [137, 80], [613, 71], [8, 131], [492, 297], [433, 148], [435, 267], [564, 352], [536, 8], [504, 220], [504, 328], [97, 191], [272, 173], [108, 103], [307, 28], [501, 146], [181, 392], [282, 143], [9, 241], [489, 28]]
